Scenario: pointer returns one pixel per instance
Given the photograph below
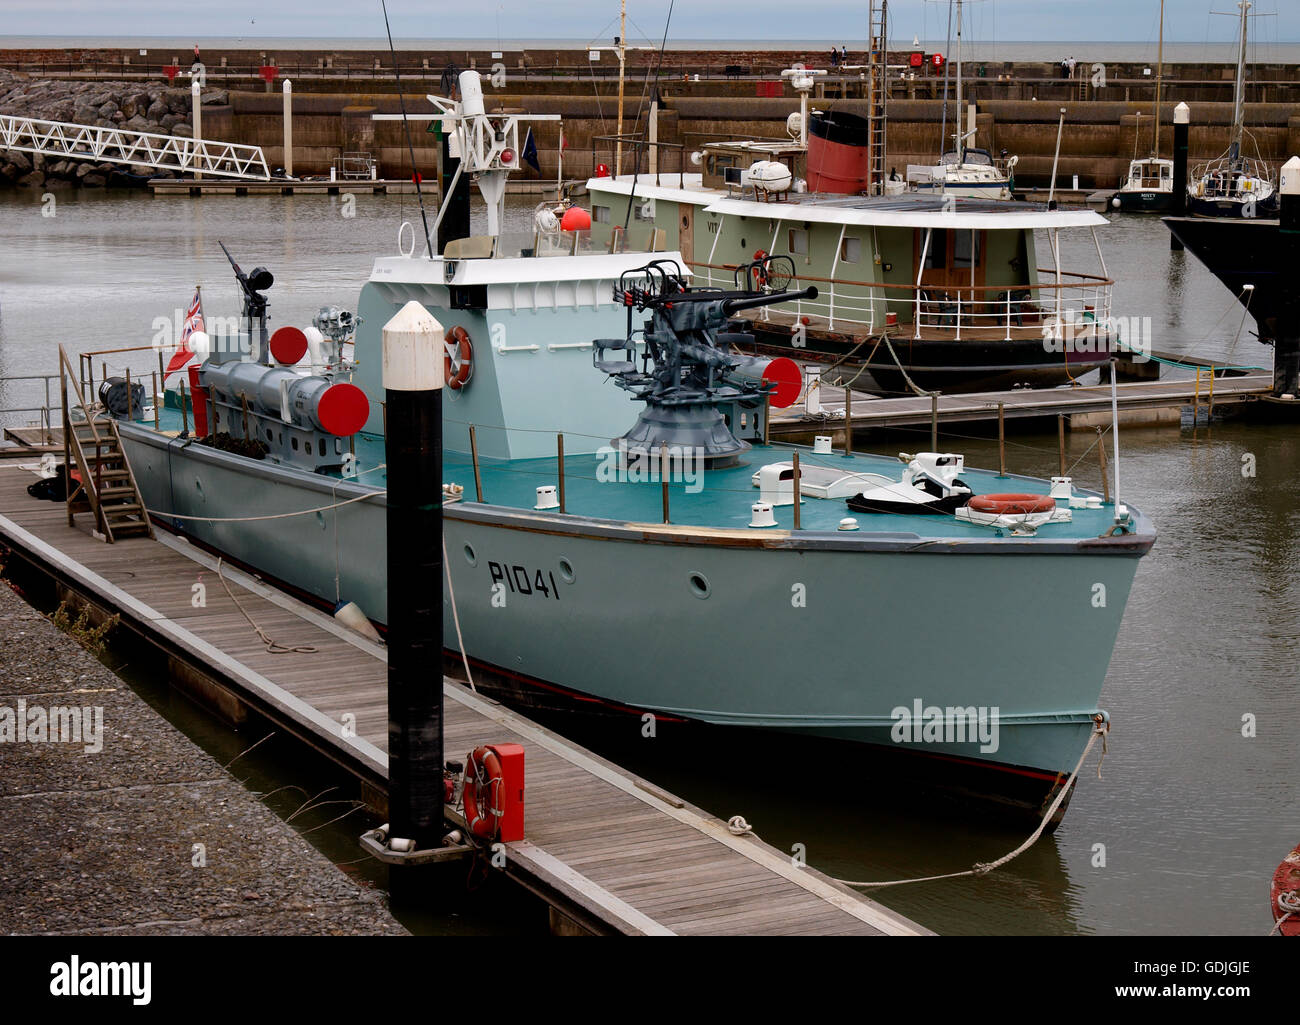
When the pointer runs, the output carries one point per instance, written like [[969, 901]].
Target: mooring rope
[[273, 516], [1288, 902], [271, 646], [739, 827], [455, 616]]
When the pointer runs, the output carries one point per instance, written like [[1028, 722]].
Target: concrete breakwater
[[148, 835], [336, 96]]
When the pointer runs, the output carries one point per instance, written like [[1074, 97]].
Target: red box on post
[[512, 791]]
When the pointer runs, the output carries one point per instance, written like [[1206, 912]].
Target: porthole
[[566, 571], [699, 585], [470, 557]]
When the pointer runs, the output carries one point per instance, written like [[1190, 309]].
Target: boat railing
[[1012, 309], [26, 383], [1227, 179]]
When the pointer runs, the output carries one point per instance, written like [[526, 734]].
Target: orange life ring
[[457, 358], [1018, 505], [761, 276], [482, 794]]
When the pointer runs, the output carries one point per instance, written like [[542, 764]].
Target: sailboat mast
[[961, 111], [1239, 97], [622, 56], [1160, 71], [943, 127]]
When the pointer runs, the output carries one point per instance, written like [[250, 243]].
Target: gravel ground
[[104, 843]]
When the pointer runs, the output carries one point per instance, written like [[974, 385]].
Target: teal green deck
[[725, 499]]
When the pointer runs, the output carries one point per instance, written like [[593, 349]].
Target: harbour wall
[[336, 95]]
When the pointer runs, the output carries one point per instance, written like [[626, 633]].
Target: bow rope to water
[[737, 826]]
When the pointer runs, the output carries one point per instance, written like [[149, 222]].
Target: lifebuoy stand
[[512, 791], [494, 792]]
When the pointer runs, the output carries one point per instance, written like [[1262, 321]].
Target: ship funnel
[[837, 153]]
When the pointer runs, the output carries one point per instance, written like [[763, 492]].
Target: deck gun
[[255, 304], [694, 386]]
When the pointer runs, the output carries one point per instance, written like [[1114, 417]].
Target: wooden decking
[[608, 850], [869, 411]]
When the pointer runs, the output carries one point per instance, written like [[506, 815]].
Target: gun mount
[[255, 304], [694, 386]]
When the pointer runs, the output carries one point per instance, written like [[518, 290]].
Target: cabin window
[[851, 249], [600, 214], [966, 249], [295, 444], [307, 445], [799, 241], [937, 254]]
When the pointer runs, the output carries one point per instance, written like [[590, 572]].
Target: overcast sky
[[988, 20]]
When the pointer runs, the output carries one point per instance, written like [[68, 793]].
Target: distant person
[[1069, 63], [1065, 68], [197, 59], [844, 54], [835, 57]]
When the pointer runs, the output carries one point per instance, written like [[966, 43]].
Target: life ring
[[457, 358], [1286, 895], [761, 275], [1015, 505], [481, 796]]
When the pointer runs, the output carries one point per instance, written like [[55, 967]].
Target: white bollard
[[196, 120], [288, 128]]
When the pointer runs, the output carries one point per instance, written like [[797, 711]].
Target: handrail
[[66, 368], [1094, 278]]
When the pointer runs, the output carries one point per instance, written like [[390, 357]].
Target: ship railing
[[44, 417], [983, 310]]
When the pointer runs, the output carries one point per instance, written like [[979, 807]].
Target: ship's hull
[[1144, 202], [949, 365], [994, 190], [1233, 208], [815, 637]]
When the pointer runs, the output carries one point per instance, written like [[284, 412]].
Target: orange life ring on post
[[1016, 505], [482, 794], [457, 358]]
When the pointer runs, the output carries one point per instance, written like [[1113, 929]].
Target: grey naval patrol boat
[[671, 561]]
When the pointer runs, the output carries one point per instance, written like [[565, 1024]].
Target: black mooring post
[[1182, 122], [1286, 343], [455, 222], [413, 381]]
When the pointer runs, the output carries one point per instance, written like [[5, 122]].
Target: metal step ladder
[[92, 448], [877, 94]]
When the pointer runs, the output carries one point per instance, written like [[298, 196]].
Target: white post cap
[[1289, 183], [413, 350], [1182, 114], [288, 86], [194, 87]]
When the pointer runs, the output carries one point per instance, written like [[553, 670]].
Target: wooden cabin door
[[686, 232], [954, 270]]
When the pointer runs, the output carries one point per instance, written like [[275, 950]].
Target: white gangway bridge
[[63, 140]]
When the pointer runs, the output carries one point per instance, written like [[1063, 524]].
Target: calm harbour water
[[1194, 817]]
